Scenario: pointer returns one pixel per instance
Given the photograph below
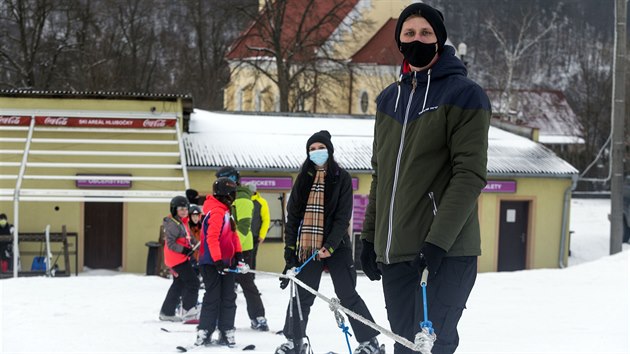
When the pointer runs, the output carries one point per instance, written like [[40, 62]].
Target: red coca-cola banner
[[88, 122], [15, 120]]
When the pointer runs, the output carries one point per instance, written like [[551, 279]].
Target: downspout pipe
[[565, 219]]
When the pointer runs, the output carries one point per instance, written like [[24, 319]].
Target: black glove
[[368, 261], [291, 260], [290, 257], [430, 257], [284, 282], [187, 251], [220, 265], [238, 257]]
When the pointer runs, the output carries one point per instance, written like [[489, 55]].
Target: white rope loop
[[337, 306]]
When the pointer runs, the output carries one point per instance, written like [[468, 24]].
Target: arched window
[[257, 101], [364, 102], [239, 100]]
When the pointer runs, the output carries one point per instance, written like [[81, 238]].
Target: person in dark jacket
[[260, 220], [429, 161], [178, 249], [318, 217]]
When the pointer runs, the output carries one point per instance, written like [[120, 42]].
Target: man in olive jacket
[[429, 160]]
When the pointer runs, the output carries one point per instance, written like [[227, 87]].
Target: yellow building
[[104, 165], [341, 31], [524, 210]]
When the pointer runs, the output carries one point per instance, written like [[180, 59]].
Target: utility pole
[[617, 144]]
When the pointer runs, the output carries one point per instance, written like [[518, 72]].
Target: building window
[[300, 104], [239, 100], [257, 100], [363, 101]]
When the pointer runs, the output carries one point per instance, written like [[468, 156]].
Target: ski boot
[[290, 348], [203, 337], [370, 347], [171, 318], [191, 316], [227, 338], [260, 324]]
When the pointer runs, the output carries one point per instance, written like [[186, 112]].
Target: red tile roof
[[381, 49], [321, 20]]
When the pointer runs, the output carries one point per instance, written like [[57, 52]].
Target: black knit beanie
[[322, 136], [433, 16]]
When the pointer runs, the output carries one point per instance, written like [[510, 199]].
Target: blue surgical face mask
[[319, 157]]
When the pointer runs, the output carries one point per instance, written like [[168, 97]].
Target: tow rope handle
[[334, 306], [423, 283]]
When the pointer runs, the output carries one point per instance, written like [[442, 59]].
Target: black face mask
[[418, 54]]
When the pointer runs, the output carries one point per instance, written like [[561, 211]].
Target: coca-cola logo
[[154, 123], [14, 120], [56, 121]]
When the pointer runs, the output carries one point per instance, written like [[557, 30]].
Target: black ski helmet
[[194, 209], [230, 172], [224, 187], [179, 201]]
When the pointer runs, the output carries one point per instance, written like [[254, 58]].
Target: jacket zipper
[[414, 83], [432, 197]]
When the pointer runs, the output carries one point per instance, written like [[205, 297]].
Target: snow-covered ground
[[579, 309]]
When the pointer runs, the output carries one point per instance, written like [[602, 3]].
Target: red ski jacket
[[218, 233], [176, 239]]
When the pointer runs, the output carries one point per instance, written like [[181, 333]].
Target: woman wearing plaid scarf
[[318, 217]]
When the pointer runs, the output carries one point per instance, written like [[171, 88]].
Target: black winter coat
[[337, 206]]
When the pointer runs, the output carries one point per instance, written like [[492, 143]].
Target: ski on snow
[[183, 349]]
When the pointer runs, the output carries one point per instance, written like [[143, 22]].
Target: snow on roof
[[547, 110], [278, 142]]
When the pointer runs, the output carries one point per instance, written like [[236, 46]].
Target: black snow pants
[[447, 293], [185, 285], [344, 278], [219, 302], [255, 307]]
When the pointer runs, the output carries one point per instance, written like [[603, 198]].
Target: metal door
[[513, 235]]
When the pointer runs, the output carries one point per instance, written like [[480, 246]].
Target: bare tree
[[294, 43], [35, 35], [211, 26], [589, 94], [515, 38]]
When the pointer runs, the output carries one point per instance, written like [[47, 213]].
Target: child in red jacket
[[178, 247], [220, 249]]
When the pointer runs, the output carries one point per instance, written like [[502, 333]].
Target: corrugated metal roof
[[265, 142]]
